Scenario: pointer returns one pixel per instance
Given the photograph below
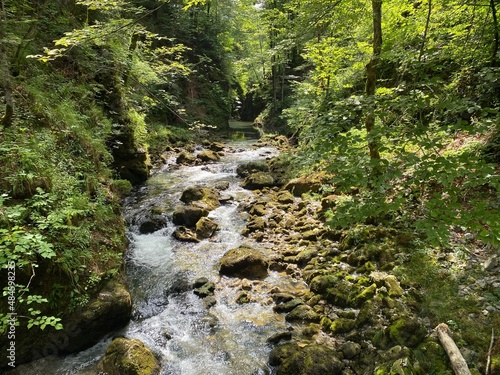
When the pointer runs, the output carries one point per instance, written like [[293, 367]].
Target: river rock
[[190, 215], [152, 224], [205, 290], [303, 313], [205, 227], [287, 306], [303, 185], [258, 180], [128, 357], [208, 156], [217, 146], [309, 360], [185, 235], [207, 195], [281, 336], [185, 158], [244, 262], [244, 170], [110, 310]]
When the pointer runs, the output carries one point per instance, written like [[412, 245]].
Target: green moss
[[364, 296], [342, 325], [407, 332]]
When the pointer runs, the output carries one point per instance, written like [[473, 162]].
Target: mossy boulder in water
[[244, 262], [309, 360], [185, 158], [109, 310], [189, 215], [303, 313], [205, 227], [210, 196], [244, 170], [258, 180], [128, 357], [208, 156]]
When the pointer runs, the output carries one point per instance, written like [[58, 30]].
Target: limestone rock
[[128, 357], [207, 195], [303, 313], [190, 215], [244, 170], [309, 360], [258, 180], [205, 227], [303, 185], [244, 262], [185, 235], [185, 158], [110, 310], [208, 156]]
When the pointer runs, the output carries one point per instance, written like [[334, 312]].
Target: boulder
[[191, 214], [207, 195], [305, 184], [109, 311], [244, 170], [208, 156], [152, 224], [217, 146], [303, 313], [244, 262], [128, 357], [258, 180], [205, 227], [185, 158], [185, 235], [309, 360]]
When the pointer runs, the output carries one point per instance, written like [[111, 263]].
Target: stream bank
[[327, 302]]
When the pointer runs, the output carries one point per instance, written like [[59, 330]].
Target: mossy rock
[[309, 360], [246, 169], [303, 313], [320, 284], [495, 359], [128, 357], [185, 158], [244, 262], [258, 180], [210, 196], [362, 234], [208, 156], [433, 358], [408, 332], [205, 227], [305, 184], [190, 215], [342, 325], [365, 295], [184, 234]]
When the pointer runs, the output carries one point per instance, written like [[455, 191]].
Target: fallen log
[[457, 360]]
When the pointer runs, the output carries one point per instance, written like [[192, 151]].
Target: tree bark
[[457, 360], [9, 101], [496, 42], [371, 76]]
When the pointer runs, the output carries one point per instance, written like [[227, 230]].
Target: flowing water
[[191, 339]]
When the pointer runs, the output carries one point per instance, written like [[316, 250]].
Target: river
[[189, 337]]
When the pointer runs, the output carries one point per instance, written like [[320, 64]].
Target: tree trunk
[[426, 31], [9, 102], [496, 42], [457, 360], [371, 76]]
